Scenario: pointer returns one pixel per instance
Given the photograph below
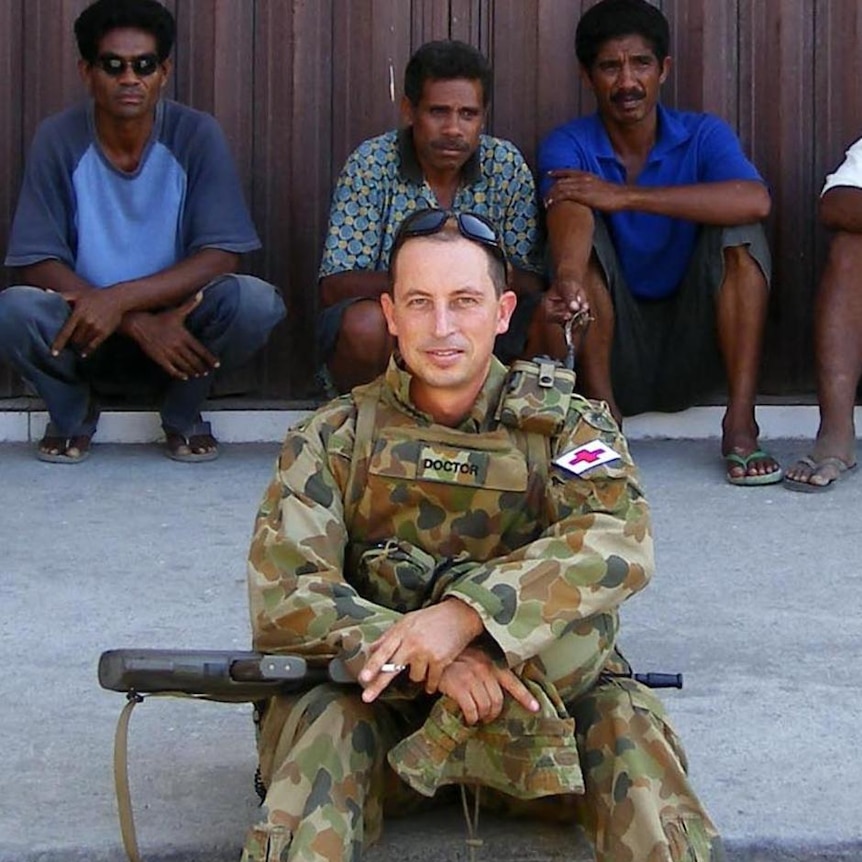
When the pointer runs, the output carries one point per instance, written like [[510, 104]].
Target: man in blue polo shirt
[[126, 242], [654, 226]]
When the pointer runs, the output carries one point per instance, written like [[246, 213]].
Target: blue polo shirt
[[653, 250]]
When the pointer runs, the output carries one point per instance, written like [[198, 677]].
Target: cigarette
[[389, 667]]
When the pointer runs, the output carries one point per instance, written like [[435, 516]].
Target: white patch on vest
[[585, 457]]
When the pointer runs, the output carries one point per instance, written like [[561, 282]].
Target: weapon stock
[[218, 674]]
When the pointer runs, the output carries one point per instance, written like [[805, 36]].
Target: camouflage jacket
[[376, 512]]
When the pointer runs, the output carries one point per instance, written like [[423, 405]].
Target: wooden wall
[[297, 84]]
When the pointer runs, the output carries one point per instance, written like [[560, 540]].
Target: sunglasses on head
[[470, 225], [143, 65]]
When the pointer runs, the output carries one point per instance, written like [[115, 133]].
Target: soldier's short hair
[[498, 269], [446, 60], [612, 19], [103, 16]]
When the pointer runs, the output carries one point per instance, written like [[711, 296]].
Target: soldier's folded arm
[[596, 553], [299, 598]]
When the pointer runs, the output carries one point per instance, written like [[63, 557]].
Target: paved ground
[[757, 601]]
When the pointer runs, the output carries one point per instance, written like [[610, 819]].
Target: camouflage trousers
[[323, 760]]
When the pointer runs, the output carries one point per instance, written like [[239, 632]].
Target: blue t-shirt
[[653, 250], [111, 226]]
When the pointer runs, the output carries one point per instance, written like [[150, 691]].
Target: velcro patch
[[443, 464], [584, 458]]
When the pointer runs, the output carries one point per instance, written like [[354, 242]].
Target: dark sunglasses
[[143, 65], [430, 221]]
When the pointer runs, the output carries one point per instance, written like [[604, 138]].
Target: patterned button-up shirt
[[382, 182]]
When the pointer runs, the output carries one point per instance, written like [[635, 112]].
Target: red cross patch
[[586, 457]]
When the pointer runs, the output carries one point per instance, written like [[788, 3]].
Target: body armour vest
[[423, 499]]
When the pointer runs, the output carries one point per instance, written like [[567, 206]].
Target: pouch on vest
[[395, 574], [536, 396]]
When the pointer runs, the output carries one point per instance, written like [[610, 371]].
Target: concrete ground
[[757, 601]]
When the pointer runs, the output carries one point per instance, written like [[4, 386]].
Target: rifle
[[241, 675], [234, 676]]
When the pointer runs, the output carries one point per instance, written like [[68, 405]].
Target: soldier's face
[[445, 313]]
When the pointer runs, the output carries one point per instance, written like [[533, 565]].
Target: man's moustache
[[461, 146], [622, 95]]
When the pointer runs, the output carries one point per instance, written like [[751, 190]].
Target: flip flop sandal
[[180, 447], [809, 487], [63, 445], [54, 439], [743, 461]]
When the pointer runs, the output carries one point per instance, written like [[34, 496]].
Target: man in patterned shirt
[[439, 159]]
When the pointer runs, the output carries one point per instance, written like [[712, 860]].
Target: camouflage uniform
[[376, 511]]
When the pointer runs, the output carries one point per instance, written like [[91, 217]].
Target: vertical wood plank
[[777, 112], [214, 69], [429, 21], [292, 173], [51, 80], [11, 143], [560, 95], [371, 46], [703, 52], [515, 57]]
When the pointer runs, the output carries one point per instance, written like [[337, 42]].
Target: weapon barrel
[[660, 680]]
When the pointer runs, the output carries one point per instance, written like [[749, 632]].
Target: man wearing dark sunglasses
[[461, 536], [654, 221], [440, 158], [127, 240]]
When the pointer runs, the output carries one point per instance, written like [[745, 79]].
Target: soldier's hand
[[426, 641], [479, 686]]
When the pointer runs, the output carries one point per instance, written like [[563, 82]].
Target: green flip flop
[[733, 459]]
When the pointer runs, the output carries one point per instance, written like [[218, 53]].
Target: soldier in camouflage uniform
[[462, 537]]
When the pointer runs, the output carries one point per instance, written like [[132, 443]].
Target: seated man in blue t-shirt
[[126, 242], [654, 226]]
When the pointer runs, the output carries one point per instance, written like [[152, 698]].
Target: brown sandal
[[64, 450], [199, 445]]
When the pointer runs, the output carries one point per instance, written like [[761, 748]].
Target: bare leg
[[741, 312], [363, 347], [838, 360], [544, 337], [594, 350]]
